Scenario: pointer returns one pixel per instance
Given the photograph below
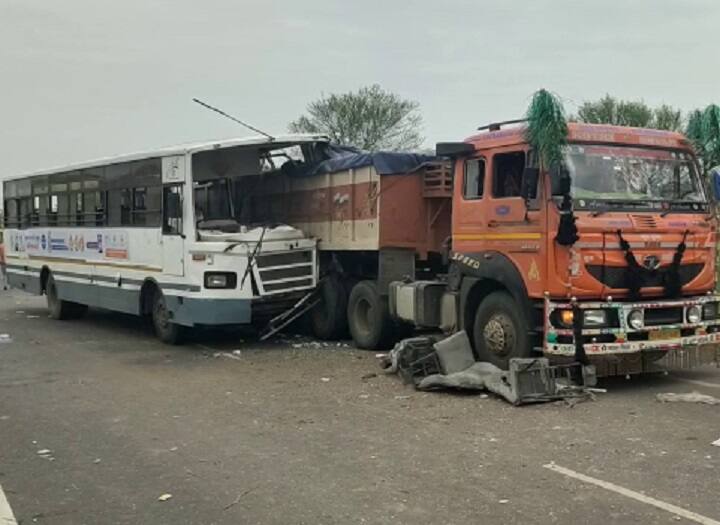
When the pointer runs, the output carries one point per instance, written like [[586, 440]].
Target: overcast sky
[[81, 79]]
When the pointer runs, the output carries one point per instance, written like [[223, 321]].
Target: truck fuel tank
[[419, 302]]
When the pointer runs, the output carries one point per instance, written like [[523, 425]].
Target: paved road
[[290, 433]]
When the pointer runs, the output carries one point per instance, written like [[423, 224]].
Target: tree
[[609, 110], [370, 119], [703, 130]]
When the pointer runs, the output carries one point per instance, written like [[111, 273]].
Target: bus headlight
[[220, 280], [595, 318], [693, 314], [635, 319]]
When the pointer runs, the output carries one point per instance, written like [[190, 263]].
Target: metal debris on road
[[692, 397], [165, 497]]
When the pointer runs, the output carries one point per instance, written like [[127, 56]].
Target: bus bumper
[[190, 311], [665, 329]]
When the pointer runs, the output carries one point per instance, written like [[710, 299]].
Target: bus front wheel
[[59, 309], [167, 331]]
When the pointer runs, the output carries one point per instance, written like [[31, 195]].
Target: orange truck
[[609, 259]]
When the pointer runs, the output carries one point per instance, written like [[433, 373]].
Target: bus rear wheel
[[500, 330], [59, 309], [165, 330]]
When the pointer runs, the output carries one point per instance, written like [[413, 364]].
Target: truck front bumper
[[665, 326]]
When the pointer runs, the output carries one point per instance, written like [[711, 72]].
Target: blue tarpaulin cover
[[343, 158]]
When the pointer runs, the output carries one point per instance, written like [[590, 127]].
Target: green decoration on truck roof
[[547, 128]]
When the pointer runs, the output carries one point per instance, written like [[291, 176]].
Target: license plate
[[664, 334]]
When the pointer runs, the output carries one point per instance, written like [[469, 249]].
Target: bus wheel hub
[[498, 334]]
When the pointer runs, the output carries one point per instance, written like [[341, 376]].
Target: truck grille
[[614, 276], [285, 271]]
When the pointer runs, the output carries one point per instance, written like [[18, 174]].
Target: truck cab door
[[172, 235]]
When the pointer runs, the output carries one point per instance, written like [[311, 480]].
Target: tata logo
[[651, 262], [502, 210]]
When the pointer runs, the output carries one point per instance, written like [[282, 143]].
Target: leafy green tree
[[370, 119], [703, 129], [610, 110]]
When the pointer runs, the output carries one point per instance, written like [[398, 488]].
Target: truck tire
[[328, 320], [165, 330], [59, 309], [369, 319], [500, 330]]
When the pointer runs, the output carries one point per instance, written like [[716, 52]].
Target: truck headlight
[[693, 314], [635, 319], [220, 280], [595, 318]]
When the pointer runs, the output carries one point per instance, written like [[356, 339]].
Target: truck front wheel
[[499, 331], [369, 318]]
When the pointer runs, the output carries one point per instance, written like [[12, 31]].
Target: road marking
[[678, 511], [6, 513], [696, 382]]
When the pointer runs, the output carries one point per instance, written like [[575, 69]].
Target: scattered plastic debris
[[164, 497], [33, 317], [503, 501], [5, 338], [692, 397], [173, 449], [325, 379], [235, 354], [97, 460], [46, 453], [716, 443]]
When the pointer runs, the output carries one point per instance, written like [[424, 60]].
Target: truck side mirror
[[560, 180], [530, 178], [715, 178]]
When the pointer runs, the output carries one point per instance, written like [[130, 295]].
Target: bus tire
[[328, 319], [59, 309], [500, 330], [369, 317], [165, 330]]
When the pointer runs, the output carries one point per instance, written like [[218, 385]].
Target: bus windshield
[[618, 173], [213, 200]]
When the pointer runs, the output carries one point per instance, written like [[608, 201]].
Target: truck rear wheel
[[329, 318], [165, 330], [370, 323], [499, 331], [59, 309]]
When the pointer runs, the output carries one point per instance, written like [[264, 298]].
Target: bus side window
[[172, 209]]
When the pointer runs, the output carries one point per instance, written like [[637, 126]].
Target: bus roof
[[281, 141]]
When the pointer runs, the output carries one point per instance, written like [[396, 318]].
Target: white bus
[[160, 234]]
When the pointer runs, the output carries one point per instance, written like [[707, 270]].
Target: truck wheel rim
[[499, 335], [363, 310]]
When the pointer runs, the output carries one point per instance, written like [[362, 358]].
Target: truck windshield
[[618, 173]]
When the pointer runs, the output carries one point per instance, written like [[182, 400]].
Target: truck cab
[[627, 276]]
